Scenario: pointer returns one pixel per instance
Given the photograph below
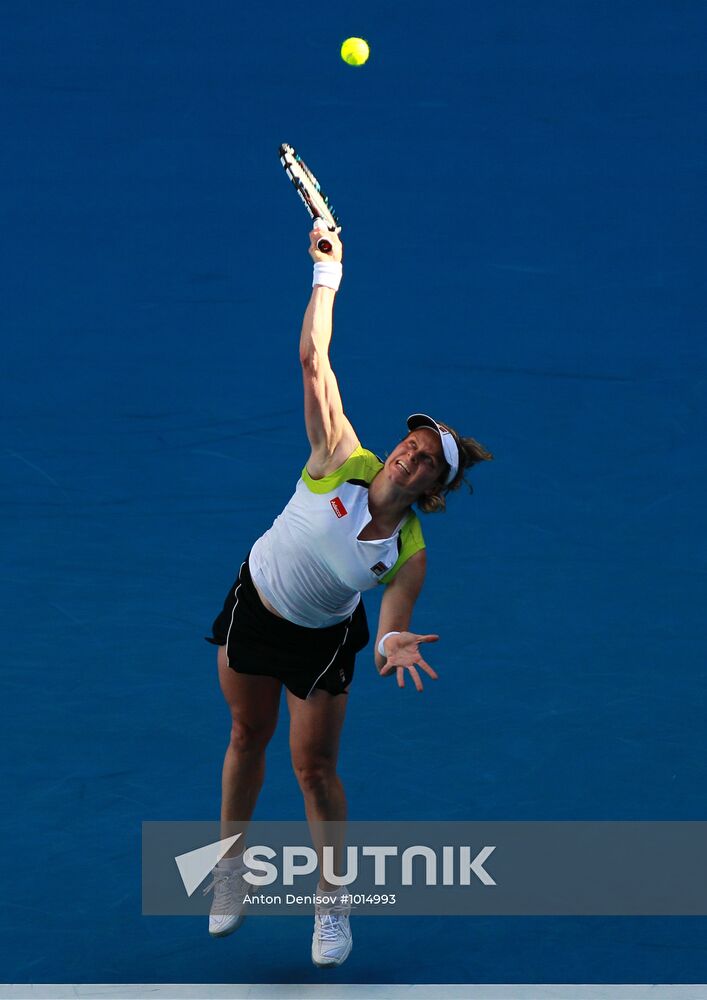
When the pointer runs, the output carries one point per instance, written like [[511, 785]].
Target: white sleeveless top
[[311, 565]]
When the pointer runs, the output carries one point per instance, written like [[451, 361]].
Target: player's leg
[[254, 703], [315, 731]]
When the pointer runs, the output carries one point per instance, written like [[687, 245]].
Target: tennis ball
[[355, 51]]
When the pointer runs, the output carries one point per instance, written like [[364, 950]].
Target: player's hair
[[433, 501]]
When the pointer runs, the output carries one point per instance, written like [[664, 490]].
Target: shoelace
[[220, 884], [329, 927], [329, 920]]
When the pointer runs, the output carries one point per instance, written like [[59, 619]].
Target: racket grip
[[324, 245]]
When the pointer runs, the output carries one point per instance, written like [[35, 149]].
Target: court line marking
[[379, 991]]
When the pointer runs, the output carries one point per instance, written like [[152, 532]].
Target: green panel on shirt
[[412, 541], [361, 464]]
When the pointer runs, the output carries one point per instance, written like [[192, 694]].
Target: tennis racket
[[309, 190]]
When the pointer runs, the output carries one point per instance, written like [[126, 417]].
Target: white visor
[[449, 445]]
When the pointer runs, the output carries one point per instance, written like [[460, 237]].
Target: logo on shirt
[[379, 568], [338, 507]]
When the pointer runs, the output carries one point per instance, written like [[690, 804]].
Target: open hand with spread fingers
[[403, 653]]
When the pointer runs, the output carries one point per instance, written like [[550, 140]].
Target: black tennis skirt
[[304, 659]]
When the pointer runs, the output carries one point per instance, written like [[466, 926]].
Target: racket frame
[[309, 189]]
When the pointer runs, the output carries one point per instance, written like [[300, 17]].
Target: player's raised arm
[[331, 436]]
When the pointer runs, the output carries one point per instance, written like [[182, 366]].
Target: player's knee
[[246, 738], [314, 774]]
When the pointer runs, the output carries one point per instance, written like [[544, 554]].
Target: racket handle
[[323, 245]]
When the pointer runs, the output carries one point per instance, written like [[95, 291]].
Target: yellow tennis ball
[[355, 51]]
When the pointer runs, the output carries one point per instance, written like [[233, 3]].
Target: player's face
[[417, 462]]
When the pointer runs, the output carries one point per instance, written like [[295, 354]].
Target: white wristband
[[381, 650], [327, 273]]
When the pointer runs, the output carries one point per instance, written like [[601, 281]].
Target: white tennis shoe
[[332, 940], [229, 888]]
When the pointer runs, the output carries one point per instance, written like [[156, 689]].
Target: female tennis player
[[294, 616]]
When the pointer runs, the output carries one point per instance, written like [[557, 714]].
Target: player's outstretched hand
[[336, 247], [403, 654]]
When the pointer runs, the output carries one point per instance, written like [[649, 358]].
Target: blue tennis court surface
[[522, 193]]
